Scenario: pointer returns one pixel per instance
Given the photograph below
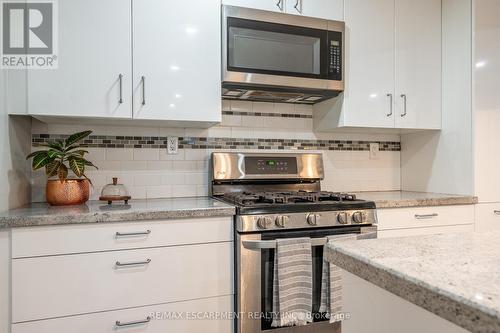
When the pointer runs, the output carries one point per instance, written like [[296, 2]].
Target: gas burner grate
[[256, 198]]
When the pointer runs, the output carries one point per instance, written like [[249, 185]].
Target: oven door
[[254, 279], [263, 48]]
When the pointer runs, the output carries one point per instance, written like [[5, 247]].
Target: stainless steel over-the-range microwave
[[276, 57]]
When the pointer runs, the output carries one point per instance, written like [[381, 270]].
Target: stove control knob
[[342, 218], [264, 222], [281, 221], [313, 219], [357, 217]]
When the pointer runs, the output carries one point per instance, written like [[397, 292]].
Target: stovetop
[[293, 201]]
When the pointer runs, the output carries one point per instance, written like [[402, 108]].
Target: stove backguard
[[251, 172]]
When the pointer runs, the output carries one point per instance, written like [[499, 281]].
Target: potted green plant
[[60, 157]]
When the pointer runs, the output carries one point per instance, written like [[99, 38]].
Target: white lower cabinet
[[400, 222], [55, 286], [376, 310], [180, 317], [488, 217], [4, 281]]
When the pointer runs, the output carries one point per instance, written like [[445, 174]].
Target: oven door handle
[[271, 244], [366, 233]]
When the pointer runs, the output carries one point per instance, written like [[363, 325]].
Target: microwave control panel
[[335, 55]]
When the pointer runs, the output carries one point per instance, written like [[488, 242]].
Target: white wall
[[443, 161], [151, 173], [16, 141], [14, 187], [487, 99]]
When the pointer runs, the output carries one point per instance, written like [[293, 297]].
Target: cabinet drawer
[[488, 217], [42, 241], [425, 231], [419, 217], [49, 287], [159, 323]]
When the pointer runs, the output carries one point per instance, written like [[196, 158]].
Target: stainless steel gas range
[[279, 196]]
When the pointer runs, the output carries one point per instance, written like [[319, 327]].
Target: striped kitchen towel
[[292, 283], [331, 285]]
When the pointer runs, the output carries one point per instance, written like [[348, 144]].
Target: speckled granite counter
[[39, 214], [400, 199], [455, 276]]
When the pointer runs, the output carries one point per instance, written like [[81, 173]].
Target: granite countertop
[[400, 199], [42, 214], [455, 276]]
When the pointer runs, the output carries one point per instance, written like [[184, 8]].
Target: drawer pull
[[426, 216], [128, 234], [132, 263], [496, 212], [131, 323]]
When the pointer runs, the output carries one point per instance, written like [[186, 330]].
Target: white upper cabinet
[[418, 64], [94, 50], [271, 5], [327, 9], [177, 60], [393, 67], [370, 64]]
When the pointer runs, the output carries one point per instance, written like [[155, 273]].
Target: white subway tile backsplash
[[178, 178], [146, 179], [241, 106], [146, 154], [133, 165], [183, 191], [152, 173], [185, 166], [231, 120], [163, 191], [159, 165], [165, 156], [263, 107], [119, 154]]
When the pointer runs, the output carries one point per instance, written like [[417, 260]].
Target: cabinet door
[[488, 217], [94, 49], [370, 65], [327, 9], [272, 5], [418, 64], [177, 60]]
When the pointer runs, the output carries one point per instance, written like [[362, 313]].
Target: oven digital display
[[255, 165]]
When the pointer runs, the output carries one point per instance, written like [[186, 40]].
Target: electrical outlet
[[374, 150], [172, 145]]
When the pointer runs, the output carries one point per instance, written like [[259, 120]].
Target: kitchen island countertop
[[455, 276]]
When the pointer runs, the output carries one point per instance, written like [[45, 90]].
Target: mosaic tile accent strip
[[267, 114], [101, 141]]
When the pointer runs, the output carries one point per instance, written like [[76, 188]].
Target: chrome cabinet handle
[[143, 80], [132, 263], [390, 105], [426, 216], [131, 323], [120, 79], [403, 96], [496, 212], [280, 4], [297, 8], [127, 234]]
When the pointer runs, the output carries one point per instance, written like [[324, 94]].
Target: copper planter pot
[[69, 192]]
